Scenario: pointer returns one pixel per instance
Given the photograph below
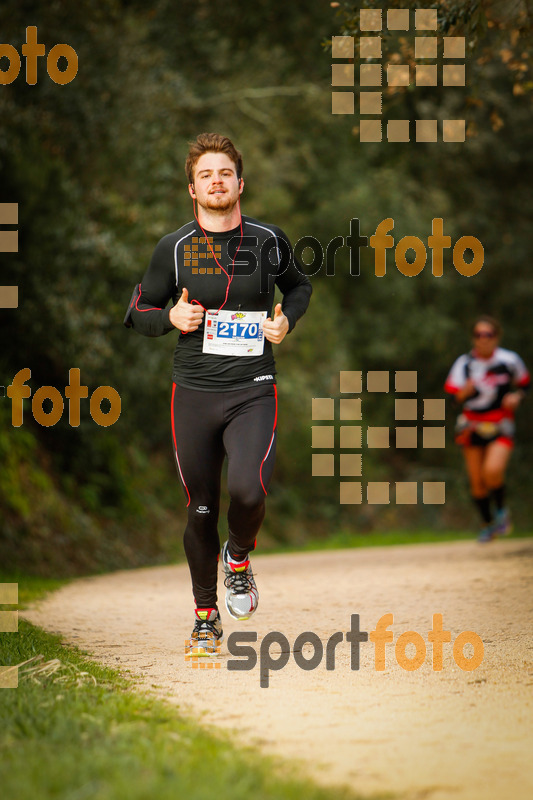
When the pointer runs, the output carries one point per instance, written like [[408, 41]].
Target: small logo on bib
[[202, 510], [264, 378]]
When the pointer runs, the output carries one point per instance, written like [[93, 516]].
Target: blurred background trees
[[96, 167]]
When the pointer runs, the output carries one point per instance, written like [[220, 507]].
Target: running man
[[220, 271], [490, 383]]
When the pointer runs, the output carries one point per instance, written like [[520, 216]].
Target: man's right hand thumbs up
[[185, 316]]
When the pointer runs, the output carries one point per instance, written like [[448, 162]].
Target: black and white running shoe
[[207, 633], [242, 596]]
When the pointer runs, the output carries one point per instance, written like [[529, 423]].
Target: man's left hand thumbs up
[[276, 329]]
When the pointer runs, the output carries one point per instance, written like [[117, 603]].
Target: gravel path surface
[[449, 734]]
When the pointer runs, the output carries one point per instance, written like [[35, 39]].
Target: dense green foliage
[[96, 167]]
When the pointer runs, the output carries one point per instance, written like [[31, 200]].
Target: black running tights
[[206, 426]]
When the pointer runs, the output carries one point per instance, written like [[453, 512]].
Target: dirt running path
[[449, 735]]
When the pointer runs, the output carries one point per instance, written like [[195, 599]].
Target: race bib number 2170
[[234, 333]]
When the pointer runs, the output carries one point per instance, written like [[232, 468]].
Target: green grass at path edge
[[31, 587], [65, 737], [83, 733], [349, 540]]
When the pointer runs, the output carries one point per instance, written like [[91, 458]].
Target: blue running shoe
[[502, 524], [486, 534]]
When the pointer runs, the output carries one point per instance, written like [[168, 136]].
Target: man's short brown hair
[[211, 143]]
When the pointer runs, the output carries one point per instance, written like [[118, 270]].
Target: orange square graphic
[[406, 493], [405, 408], [426, 47], [9, 621], [9, 677], [342, 46], [342, 103], [370, 47], [434, 409], [405, 381], [426, 74], [370, 74], [351, 436], [453, 75], [9, 297], [377, 381], [426, 19], [323, 408], [426, 130], [351, 493], [370, 103], [453, 130], [377, 492], [323, 465], [377, 437], [351, 381], [342, 74], [323, 436], [9, 593], [370, 130], [406, 437], [434, 437], [350, 409], [9, 213], [454, 47], [398, 75], [9, 241], [351, 465], [370, 20], [398, 130], [398, 19], [433, 492]]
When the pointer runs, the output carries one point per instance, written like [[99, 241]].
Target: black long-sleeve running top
[[184, 259]]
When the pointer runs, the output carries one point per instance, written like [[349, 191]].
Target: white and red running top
[[493, 377]]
